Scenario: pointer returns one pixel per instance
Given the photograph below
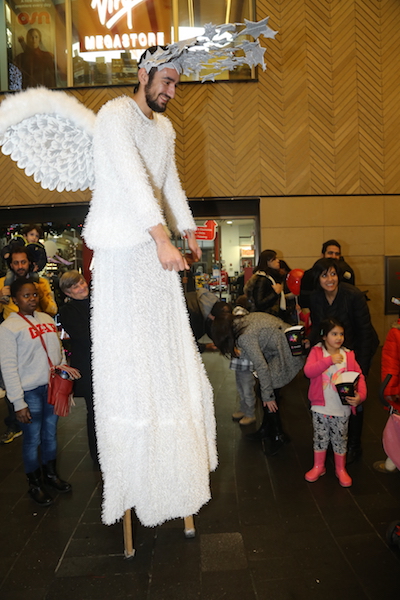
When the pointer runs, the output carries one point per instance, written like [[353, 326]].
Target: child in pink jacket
[[325, 362]]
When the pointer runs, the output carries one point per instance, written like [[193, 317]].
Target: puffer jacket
[[351, 309], [391, 360]]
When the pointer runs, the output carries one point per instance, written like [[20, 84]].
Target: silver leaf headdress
[[214, 50]]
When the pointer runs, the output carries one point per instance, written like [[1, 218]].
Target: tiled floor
[[266, 535]]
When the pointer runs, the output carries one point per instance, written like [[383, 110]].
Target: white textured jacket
[[136, 180]]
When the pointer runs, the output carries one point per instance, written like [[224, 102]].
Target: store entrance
[[228, 232], [228, 256]]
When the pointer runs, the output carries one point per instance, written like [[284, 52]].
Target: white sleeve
[[179, 215]]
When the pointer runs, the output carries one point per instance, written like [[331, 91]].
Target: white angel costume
[[153, 402]]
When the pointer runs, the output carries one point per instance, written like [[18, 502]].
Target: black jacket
[[260, 291], [351, 309], [75, 319], [346, 274]]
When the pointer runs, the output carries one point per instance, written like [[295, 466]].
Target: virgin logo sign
[[112, 11]]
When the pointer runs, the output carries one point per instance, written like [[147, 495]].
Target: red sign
[[207, 231]]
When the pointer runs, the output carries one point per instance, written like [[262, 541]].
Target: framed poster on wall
[[31, 34], [392, 283]]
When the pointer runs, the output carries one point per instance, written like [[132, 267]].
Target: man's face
[[78, 291], [20, 264], [332, 252], [161, 89]]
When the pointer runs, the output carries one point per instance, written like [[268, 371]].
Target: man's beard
[[21, 273], [152, 102]]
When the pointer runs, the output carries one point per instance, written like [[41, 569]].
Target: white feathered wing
[[50, 136]]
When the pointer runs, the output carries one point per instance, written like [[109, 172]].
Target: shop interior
[[226, 256]]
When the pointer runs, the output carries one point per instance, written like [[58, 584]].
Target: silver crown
[[214, 50]]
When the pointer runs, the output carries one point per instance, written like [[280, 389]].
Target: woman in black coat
[[344, 302]]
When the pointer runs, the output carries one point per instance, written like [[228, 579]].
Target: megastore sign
[[110, 12], [125, 41], [122, 24]]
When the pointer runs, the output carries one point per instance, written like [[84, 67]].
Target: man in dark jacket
[[75, 319], [330, 249]]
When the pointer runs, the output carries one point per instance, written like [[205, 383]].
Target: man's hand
[[5, 294], [23, 415], [169, 256], [193, 245]]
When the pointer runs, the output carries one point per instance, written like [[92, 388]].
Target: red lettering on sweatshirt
[[41, 329]]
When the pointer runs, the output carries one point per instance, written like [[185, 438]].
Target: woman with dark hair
[[338, 300], [260, 338], [265, 287], [332, 299], [25, 369]]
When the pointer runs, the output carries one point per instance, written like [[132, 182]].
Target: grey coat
[[263, 342]]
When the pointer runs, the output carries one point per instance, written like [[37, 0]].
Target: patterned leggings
[[327, 428]]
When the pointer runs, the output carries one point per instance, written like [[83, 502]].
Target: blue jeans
[[42, 431], [245, 382]]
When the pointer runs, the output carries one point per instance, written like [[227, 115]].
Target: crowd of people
[[339, 338], [115, 353], [24, 373]]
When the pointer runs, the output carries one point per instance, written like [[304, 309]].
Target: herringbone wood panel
[[322, 120]]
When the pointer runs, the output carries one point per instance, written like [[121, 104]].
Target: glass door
[[228, 255]]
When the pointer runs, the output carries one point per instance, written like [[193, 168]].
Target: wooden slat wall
[[323, 119]]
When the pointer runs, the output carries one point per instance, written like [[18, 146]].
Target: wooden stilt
[[190, 530], [129, 550]]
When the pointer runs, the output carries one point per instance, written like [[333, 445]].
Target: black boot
[[276, 438], [354, 449], [51, 478], [36, 491], [262, 431]]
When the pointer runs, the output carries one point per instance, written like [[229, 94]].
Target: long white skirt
[[153, 402]]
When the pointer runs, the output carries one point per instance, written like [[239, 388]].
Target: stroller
[[391, 445]]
